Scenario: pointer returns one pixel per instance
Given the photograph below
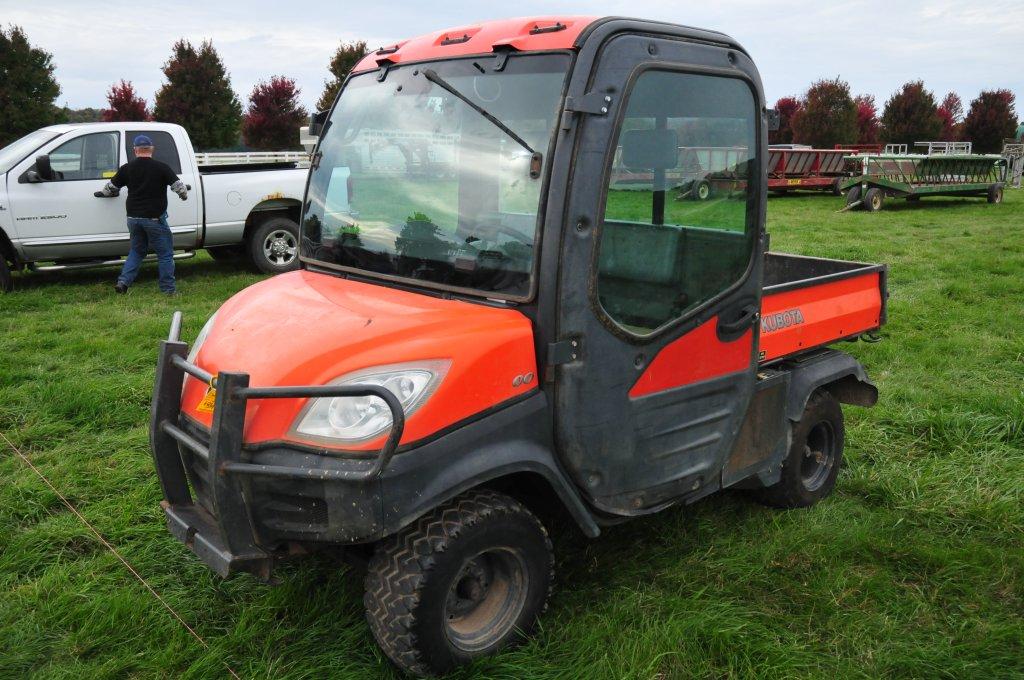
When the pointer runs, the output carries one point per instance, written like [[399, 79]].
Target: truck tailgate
[[809, 302]]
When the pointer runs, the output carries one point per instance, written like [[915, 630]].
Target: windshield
[[417, 184], [12, 154]]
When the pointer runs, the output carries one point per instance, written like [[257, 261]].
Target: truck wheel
[[995, 194], [853, 195], [464, 581], [274, 246], [6, 279], [809, 471], [873, 199]]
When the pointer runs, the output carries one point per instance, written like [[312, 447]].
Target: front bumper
[[250, 502]]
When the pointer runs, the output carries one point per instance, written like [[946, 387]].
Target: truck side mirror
[[43, 168], [774, 119], [316, 123]]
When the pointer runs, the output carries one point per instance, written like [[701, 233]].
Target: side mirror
[[32, 177], [316, 123], [43, 168]]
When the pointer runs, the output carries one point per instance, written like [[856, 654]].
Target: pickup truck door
[[658, 290], [61, 219], [183, 216]]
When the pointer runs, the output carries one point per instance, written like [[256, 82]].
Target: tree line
[[196, 94], [828, 114]]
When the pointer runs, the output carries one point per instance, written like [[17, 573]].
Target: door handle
[[746, 317]]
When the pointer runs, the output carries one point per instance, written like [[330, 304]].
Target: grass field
[[913, 568]]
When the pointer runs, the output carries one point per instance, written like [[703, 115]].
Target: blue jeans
[[149, 233]]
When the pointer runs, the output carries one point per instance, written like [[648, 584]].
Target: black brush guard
[[224, 540]]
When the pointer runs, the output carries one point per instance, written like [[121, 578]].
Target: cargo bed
[[809, 302]]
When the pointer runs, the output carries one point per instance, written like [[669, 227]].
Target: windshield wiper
[[536, 159]]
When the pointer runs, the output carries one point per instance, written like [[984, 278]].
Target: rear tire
[[6, 278], [995, 194], [464, 581], [274, 246], [812, 465], [873, 200]]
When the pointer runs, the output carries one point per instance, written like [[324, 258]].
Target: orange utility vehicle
[[485, 330]]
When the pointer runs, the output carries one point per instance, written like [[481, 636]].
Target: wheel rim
[[485, 599], [703, 191], [819, 455], [876, 202], [280, 247]]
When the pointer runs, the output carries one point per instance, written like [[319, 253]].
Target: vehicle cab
[[507, 299]]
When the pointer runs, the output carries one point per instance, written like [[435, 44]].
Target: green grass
[[913, 568]]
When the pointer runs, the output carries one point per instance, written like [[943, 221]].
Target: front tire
[[274, 246], [995, 194], [853, 196], [812, 465], [6, 278], [464, 581], [873, 199], [701, 190]]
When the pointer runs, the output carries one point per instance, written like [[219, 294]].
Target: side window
[[87, 157], [164, 148], [679, 225]]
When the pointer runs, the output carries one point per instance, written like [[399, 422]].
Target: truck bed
[[809, 302]]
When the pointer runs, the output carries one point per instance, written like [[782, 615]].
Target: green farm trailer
[[912, 176]]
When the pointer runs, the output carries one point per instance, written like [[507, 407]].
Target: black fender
[[507, 442], [837, 371]]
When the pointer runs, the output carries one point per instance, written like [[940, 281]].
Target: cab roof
[[522, 34]]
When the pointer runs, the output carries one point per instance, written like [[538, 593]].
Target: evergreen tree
[[28, 89], [829, 115], [911, 115], [125, 104], [344, 60], [198, 96], [274, 116], [990, 120]]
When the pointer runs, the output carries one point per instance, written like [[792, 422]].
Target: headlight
[[355, 419], [200, 339]]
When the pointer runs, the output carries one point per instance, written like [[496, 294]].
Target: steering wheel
[[515, 235]]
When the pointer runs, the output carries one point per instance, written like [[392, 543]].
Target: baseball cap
[[142, 140]]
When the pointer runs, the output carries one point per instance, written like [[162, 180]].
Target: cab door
[[61, 219], [659, 289], [182, 216]]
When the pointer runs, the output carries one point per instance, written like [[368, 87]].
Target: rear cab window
[[164, 148]]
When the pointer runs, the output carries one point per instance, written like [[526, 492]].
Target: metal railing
[[252, 158]]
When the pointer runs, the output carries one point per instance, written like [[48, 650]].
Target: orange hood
[[305, 328]]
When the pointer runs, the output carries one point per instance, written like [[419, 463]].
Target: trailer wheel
[[462, 582], [837, 187], [853, 195], [873, 199], [995, 194], [6, 278], [810, 470], [701, 190], [274, 246]]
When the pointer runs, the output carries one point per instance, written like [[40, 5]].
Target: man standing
[[147, 180]]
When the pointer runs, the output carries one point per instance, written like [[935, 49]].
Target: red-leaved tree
[[829, 115], [274, 115], [911, 115], [951, 111], [125, 104], [991, 119], [788, 108], [867, 119]]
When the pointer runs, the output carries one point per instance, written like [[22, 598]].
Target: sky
[[875, 45]]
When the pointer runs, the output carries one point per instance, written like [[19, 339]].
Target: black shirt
[[147, 181]]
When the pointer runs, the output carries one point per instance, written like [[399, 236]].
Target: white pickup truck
[[238, 204]]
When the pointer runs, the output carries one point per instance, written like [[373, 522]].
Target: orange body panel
[[483, 38], [796, 320], [698, 355], [305, 328]]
